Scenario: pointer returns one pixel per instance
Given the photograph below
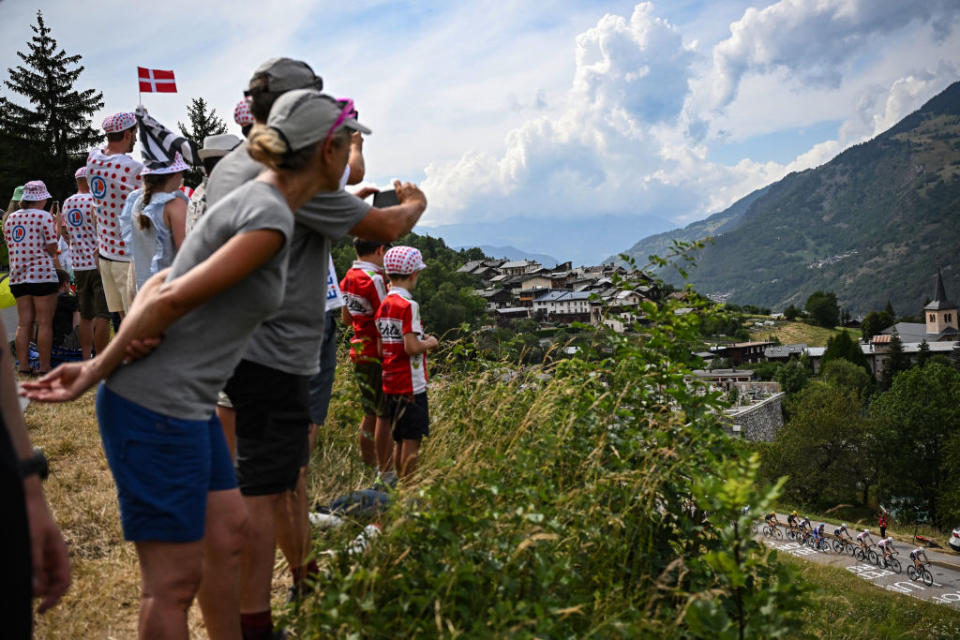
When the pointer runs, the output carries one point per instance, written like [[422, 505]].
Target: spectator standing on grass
[[214, 148], [178, 494], [882, 521], [35, 560], [158, 219], [405, 348], [364, 290], [31, 237], [112, 175], [270, 384], [14, 203]]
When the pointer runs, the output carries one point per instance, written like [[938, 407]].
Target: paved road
[[946, 569]]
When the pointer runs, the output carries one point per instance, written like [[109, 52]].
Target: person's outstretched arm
[[157, 306], [389, 223], [51, 564]]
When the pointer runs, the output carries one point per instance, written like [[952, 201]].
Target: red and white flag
[[156, 81]]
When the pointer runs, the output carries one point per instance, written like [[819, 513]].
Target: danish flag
[[156, 81]]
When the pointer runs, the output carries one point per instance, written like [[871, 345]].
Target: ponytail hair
[[267, 146], [151, 182]]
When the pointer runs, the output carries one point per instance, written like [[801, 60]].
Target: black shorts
[[34, 289], [409, 416], [273, 421], [93, 303], [369, 377]]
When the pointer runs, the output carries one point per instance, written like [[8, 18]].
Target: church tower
[[940, 313]]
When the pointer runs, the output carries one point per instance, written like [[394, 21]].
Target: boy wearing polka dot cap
[[111, 176], [404, 347]]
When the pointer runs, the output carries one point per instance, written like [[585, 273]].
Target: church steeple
[[940, 300], [940, 312]]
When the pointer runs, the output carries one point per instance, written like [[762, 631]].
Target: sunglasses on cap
[[347, 111]]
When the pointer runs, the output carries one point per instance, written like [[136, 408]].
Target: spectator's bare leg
[[219, 595], [171, 574], [46, 306]]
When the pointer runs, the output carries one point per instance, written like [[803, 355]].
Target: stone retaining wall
[[759, 422]]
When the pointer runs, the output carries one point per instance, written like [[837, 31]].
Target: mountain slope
[[873, 224], [710, 226]]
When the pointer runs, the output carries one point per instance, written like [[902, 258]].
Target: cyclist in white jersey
[[916, 554], [886, 547], [863, 539]]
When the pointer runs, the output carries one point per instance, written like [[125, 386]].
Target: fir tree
[[203, 122], [897, 362], [924, 354], [48, 139], [955, 356]]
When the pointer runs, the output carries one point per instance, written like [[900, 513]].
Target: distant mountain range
[[872, 225], [512, 253], [585, 241]]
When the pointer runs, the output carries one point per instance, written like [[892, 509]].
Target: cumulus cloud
[[631, 75], [816, 40], [644, 109]]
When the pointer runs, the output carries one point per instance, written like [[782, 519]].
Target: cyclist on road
[[818, 535], [886, 547], [916, 554], [772, 520], [864, 538], [842, 532]]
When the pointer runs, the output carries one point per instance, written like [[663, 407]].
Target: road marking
[[944, 598], [869, 572], [905, 586]]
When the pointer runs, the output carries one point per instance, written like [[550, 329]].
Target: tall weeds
[[580, 499]]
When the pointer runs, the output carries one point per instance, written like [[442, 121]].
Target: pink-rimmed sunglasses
[[349, 111]]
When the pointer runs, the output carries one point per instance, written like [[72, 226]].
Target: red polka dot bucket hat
[[35, 191], [403, 261]]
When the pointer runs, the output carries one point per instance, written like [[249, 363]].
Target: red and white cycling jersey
[[78, 219], [363, 291], [28, 232], [111, 179], [399, 315]]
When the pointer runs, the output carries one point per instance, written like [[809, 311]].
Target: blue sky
[[549, 109]]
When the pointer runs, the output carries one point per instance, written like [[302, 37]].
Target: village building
[[563, 306], [940, 316]]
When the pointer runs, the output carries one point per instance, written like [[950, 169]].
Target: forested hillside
[[873, 224]]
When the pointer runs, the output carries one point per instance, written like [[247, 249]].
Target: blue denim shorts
[[163, 467]]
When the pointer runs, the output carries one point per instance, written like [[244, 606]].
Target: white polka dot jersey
[[28, 232], [78, 220], [111, 178]]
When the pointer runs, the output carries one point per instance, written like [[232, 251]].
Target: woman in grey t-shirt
[[162, 439]]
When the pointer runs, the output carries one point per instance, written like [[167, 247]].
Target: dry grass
[[799, 332], [103, 600]]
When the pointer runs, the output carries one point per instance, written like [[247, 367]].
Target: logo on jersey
[[74, 217], [358, 305], [391, 329], [18, 233], [98, 187]]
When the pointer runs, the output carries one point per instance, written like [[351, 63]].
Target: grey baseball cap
[[286, 74], [305, 116]]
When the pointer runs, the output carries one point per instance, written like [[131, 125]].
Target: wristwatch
[[35, 465]]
